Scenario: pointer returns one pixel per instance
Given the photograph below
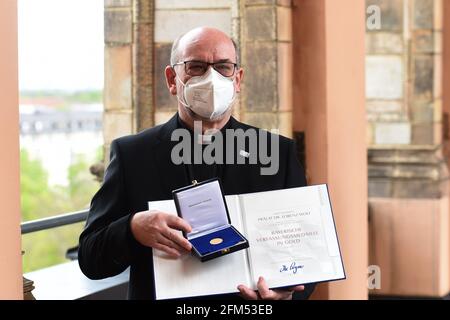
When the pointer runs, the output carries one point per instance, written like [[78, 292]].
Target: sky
[[60, 44]]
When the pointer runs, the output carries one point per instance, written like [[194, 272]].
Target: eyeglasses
[[198, 68]]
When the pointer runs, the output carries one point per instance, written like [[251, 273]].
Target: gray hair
[[174, 54]]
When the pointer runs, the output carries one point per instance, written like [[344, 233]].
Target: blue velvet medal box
[[203, 206]]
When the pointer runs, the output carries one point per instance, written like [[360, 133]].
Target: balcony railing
[[54, 222], [66, 281]]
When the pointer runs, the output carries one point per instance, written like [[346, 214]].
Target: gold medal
[[216, 241]]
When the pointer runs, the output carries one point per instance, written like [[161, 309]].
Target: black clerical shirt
[[203, 171], [141, 170]]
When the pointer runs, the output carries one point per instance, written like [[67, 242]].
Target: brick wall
[[404, 68], [172, 19], [266, 45], [404, 100], [386, 77], [408, 174], [138, 39], [119, 116]]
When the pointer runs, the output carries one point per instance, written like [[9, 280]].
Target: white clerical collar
[[204, 138]]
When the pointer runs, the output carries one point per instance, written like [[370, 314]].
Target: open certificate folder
[[292, 239]]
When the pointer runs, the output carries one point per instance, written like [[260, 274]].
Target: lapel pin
[[244, 153]]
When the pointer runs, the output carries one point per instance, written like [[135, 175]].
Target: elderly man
[[120, 232]]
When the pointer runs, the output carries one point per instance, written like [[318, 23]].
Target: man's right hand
[[159, 230]]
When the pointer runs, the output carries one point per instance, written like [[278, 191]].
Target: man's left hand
[[265, 293]]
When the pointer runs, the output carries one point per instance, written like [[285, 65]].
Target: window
[[61, 87]]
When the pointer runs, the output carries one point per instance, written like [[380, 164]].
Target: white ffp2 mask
[[209, 95]]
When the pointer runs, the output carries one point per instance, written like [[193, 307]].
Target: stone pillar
[[408, 177], [404, 66], [119, 115], [329, 98], [266, 44], [386, 78], [446, 82], [404, 70], [10, 240], [143, 31], [128, 93]]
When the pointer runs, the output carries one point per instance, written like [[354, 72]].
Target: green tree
[[38, 200], [35, 194], [81, 184]]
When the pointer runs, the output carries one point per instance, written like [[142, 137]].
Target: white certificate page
[[188, 276], [292, 236]]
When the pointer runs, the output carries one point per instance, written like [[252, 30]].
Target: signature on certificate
[[292, 268]]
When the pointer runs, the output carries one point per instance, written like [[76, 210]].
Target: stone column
[[119, 115], [404, 73], [329, 108], [446, 80], [10, 240], [408, 176], [128, 93], [266, 44], [143, 31]]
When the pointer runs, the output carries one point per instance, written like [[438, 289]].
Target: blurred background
[[359, 85]]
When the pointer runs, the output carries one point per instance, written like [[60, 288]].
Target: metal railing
[[80, 288], [54, 222]]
